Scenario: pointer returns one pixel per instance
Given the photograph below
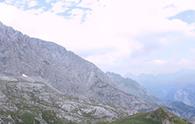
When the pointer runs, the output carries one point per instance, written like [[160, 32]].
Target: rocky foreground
[[28, 101]]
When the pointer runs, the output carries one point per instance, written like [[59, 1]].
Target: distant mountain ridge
[[131, 87], [177, 86], [42, 82], [182, 110], [175, 90]]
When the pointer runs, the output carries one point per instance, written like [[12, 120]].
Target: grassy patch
[[156, 117]]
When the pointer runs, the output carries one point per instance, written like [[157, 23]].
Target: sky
[[122, 36]]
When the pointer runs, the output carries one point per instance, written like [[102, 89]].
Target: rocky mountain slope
[[131, 87], [30, 100], [185, 95], [25, 100], [182, 110], [66, 72]]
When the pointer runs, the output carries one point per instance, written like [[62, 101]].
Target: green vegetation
[[51, 118], [138, 119], [28, 118], [157, 117], [22, 117]]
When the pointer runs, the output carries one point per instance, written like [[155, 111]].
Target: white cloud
[[184, 5], [184, 62], [192, 50], [158, 62], [113, 24]]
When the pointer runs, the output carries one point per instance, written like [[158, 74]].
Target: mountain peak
[[63, 70]]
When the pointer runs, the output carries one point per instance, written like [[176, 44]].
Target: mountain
[[26, 100], [186, 95], [175, 90], [131, 87], [63, 70], [159, 116], [182, 110], [177, 86]]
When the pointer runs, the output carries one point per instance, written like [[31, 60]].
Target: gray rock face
[[26, 100], [186, 95], [182, 110], [131, 87], [62, 69]]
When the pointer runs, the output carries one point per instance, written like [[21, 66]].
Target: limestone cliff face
[[26, 100], [131, 87]]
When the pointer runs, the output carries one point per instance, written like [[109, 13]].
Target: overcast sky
[[123, 36]]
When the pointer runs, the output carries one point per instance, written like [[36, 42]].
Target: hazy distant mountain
[[66, 72], [182, 110], [131, 87], [177, 86], [175, 90]]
